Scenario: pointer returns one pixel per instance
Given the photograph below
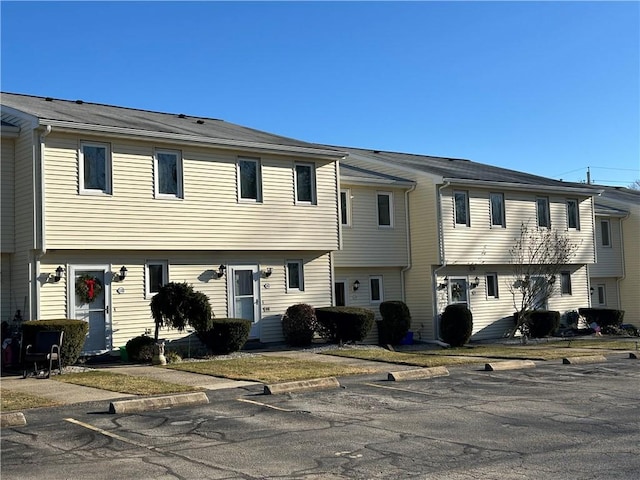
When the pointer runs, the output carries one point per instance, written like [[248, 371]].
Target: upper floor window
[[249, 179], [305, 183], [544, 217], [497, 209], [385, 209], [461, 205], [565, 283], [295, 280], [573, 218], [95, 168], [492, 285], [156, 275], [168, 174], [605, 233], [345, 210], [375, 289]]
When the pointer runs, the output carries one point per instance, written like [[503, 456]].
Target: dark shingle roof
[[86, 113], [458, 169], [351, 172]]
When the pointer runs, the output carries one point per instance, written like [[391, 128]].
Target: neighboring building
[[615, 277], [464, 218], [374, 254], [249, 218]]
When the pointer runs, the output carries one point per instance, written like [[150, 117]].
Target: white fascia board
[[222, 143], [590, 192], [347, 180]]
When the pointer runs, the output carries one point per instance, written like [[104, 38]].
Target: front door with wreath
[[89, 302]]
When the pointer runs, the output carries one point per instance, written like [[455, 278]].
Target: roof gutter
[[222, 143], [524, 186], [345, 179]]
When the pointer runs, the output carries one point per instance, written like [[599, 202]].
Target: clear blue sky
[[547, 88]]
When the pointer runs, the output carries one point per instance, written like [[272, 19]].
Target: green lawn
[[117, 382], [269, 369]]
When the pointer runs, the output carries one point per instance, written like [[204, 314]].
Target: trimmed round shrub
[[299, 325], [604, 317], [542, 323], [456, 325], [178, 305], [226, 335], [75, 334], [140, 349], [395, 323], [344, 324]]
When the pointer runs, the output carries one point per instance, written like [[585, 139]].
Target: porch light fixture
[[221, 270], [444, 284], [59, 273], [591, 290], [475, 283], [268, 271], [123, 273], [356, 286]]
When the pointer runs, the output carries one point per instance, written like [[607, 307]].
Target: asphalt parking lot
[[554, 421]]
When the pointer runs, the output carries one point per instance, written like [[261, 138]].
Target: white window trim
[[165, 275], [107, 169], [391, 208], [301, 270], [503, 221], [258, 163], [314, 199], [570, 292], [574, 200], [467, 222], [601, 288], [371, 300], [547, 211], [495, 280], [180, 193], [347, 194], [608, 223]]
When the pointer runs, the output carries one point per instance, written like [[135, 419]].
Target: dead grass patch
[[11, 400], [401, 358], [269, 369], [117, 382]]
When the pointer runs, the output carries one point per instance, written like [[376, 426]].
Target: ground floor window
[[156, 275]]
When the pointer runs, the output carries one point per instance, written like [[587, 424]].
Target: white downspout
[[42, 250], [408, 229], [622, 259]]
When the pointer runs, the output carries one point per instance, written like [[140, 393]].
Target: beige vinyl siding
[[611, 293], [392, 290], [630, 284], [493, 317], [610, 259], [483, 243], [424, 255], [130, 310], [7, 305], [7, 164], [364, 243], [208, 218]]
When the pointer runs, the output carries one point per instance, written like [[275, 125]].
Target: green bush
[[177, 305], [299, 325], [542, 323], [395, 323], [456, 325], [344, 324], [75, 334], [226, 335], [140, 349], [604, 317]]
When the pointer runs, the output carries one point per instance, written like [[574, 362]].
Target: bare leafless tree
[[635, 185], [538, 256]]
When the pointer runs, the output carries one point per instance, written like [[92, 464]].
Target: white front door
[[89, 300], [244, 288]]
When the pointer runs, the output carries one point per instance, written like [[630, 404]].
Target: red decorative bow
[[91, 285]]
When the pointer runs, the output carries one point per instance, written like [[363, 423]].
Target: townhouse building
[[101, 205]]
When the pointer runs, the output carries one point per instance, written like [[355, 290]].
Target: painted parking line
[[109, 434], [266, 405]]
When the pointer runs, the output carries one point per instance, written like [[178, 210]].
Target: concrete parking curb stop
[[13, 419], [508, 365], [418, 374], [302, 385], [584, 359], [155, 403], [633, 355]]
